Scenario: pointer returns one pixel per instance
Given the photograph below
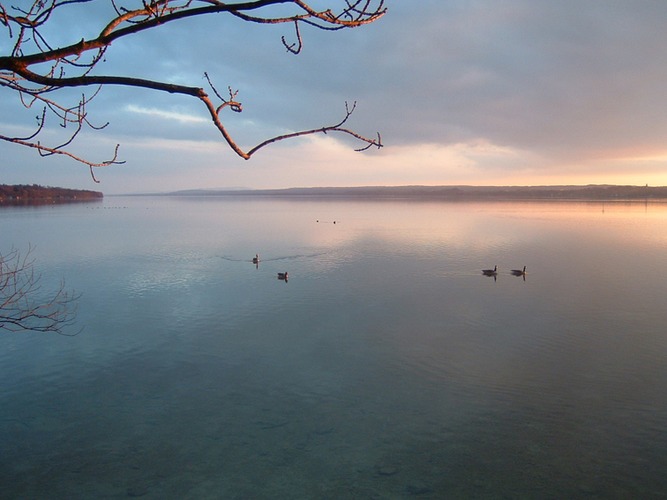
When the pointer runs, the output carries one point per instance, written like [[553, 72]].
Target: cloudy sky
[[480, 92]]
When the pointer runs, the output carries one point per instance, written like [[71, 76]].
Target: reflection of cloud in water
[[161, 273], [159, 280], [426, 227]]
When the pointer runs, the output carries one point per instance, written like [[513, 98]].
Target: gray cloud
[[561, 76]]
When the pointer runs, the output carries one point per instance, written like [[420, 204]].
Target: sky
[[474, 92]]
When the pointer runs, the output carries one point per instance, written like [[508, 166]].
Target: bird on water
[[490, 272], [519, 272]]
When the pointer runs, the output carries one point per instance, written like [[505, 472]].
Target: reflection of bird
[[283, 276], [519, 272], [490, 272]]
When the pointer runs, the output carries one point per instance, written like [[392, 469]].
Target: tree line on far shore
[[23, 194]]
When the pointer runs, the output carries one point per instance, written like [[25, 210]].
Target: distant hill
[[40, 195], [452, 193]]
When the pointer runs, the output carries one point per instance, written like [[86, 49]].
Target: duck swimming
[[490, 272], [283, 276], [519, 272], [255, 259]]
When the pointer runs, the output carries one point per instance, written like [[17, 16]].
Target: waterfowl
[[255, 259], [519, 272], [490, 272], [283, 276]]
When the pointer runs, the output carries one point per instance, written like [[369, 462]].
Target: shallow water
[[387, 366]]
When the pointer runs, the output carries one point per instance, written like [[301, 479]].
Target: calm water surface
[[387, 366]]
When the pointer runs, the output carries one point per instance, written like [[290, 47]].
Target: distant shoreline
[[449, 193], [29, 195]]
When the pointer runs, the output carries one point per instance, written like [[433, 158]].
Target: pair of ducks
[[281, 276], [494, 271]]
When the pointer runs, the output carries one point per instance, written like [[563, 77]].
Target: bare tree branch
[[36, 71], [22, 303], [330, 128]]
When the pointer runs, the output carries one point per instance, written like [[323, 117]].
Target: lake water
[[387, 366]]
